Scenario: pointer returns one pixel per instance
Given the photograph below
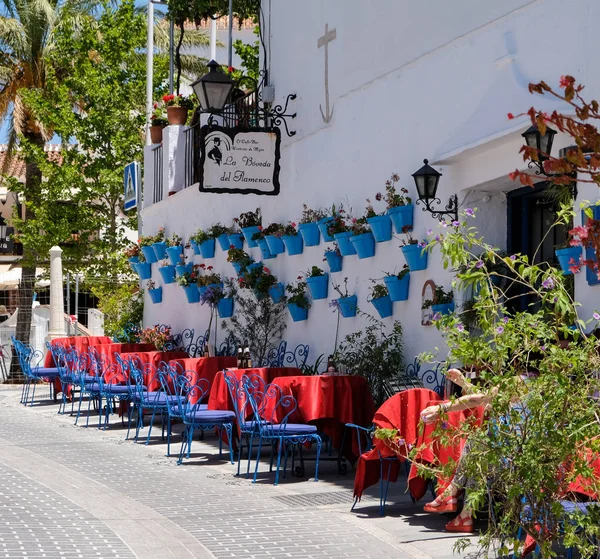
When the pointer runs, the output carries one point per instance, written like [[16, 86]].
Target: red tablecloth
[[155, 358], [81, 343], [327, 401], [401, 412], [110, 350], [219, 393], [203, 367], [584, 486]]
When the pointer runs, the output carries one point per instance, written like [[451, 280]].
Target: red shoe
[[442, 505], [461, 525]]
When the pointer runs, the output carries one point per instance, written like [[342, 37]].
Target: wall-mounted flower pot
[[177, 115], [381, 227], [225, 307], [236, 240], [223, 241], [255, 266], [144, 270], [207, 248], [167, 273], [334, 260], [160, 250], [195, 247], [364, 245], [570, 256], [322, 224], [275, 244], [183, 268], [398, 289], [401, 216], [445, 308], [344, 244], [293, 244], [174, 254], [133, 261], [277, 292], [201, 289], [347, 306], [415, 256], [191, 293], [383, 305], [155, 295], [237, 267], [216, 285], [248, 232], [149, 254], [264, 249], [310, 233], [298, 313], [318, 286]]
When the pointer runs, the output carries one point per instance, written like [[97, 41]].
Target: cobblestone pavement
[[68, 491]]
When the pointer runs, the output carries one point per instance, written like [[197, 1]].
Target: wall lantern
[[540, 142], [426, 180], [213, 89]]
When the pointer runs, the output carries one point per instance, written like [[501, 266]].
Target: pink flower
[[293, 224], [353, 220], [566, 81]]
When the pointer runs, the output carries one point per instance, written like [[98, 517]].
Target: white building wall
[[407, 80]]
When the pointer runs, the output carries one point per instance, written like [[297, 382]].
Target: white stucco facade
[[407, 81]]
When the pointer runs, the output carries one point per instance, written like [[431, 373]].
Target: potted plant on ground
[[414, 251], [188, 280], [249, 223], [160, 335], [443, 302], [154, 292], [333, 257], [318, 282], [380, 299], [362, 238], [399, 206], [346, 304], [309, 225], [398, 284], [174, 249], [167, 271], [177, 108], [380, 224], [292, 239], [339, 228], [297, 301], [158, 120]]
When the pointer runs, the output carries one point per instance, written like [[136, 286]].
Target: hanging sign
[[239, 160], [131, 181]]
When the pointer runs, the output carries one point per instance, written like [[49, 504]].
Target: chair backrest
[[237, 391], [79, 365], [180, 388], [435, 378], [271, 408], [280, 357]]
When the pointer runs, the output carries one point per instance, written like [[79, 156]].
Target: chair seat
[[157, 398], [109, 388], [45, 371], [209, 416], [571, 506], [251, 425], [292, 429]]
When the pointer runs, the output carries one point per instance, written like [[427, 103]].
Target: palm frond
[[191, 37], [193, 66], [13, 36], [11, 149]]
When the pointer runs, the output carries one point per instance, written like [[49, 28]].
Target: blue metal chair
[[84, 379], [31, 362], [179, 389], [284, 434]]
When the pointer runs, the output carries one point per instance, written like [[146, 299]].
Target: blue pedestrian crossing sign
[[131, 181]]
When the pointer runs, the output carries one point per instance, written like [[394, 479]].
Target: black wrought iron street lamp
[[542, 143], [426, 180], [213, 89]]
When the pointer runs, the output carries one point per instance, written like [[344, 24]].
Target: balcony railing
[[157, 153], [190, 135]]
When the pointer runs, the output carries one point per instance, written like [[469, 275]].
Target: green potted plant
[[398, 284], [146, 244], [167, 271], [177, 108], [158, 120], [154, 292], [239, 259], [188, 280], [346, 304], [132, 253], [174, 249], [333, 257], [297, 301], [309, 225], [318, 282], [249, 223], [339, 228], [362, 238], [399, 205], [271, 235], [379, 297], [380, 224], [443, 302], [292, 239], [414, 251]]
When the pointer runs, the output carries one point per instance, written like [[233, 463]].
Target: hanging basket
[[277, 292], [381, 227], [298, 313], [334, 260], [347, 306], [223, 241], [344, 244], [322, 224], [383, 305], [236, 240], [275, 244], [155, 295], [364, 245], [248, 232], [191, 293], [149, 254], [167, 273], [318, 286], [207, 248], [174, 254], [397, 288], [310, 233], [570, 256], [177, 115], [225, 307], [144, 270], [415, 256], [160, 250]]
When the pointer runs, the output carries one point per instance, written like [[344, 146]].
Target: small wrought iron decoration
[[427, 179]]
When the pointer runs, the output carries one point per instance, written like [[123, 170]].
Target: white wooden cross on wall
[[324, 42]]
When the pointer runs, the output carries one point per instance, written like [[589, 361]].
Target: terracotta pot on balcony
[[177, 115], [156, 134]]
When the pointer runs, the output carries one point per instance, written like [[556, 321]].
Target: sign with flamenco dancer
[[239, 161]]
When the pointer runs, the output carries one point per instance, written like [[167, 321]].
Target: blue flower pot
[[183, 268], [322, 224], [401, 216], [398, 289], [191, 293], [133, 261], [174, 254], [343, 241], [381, 227], [223, 241], [293, 244], [216, 285], [155, 295], [201, 289], [347, 306], [255, 266], [225, 307], [195, 247], [310, 233], [144, 270], [567, 257], [298, 313], [383, 305], [160, 249], [207, 248], [334, 260], [277, 292], [318, 286], [415, 256], [446, 308], [264, 249], [248, 232], [275, 244], [167, 273], [236, 240], [364, 245], [149, 254], [237, 267]]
